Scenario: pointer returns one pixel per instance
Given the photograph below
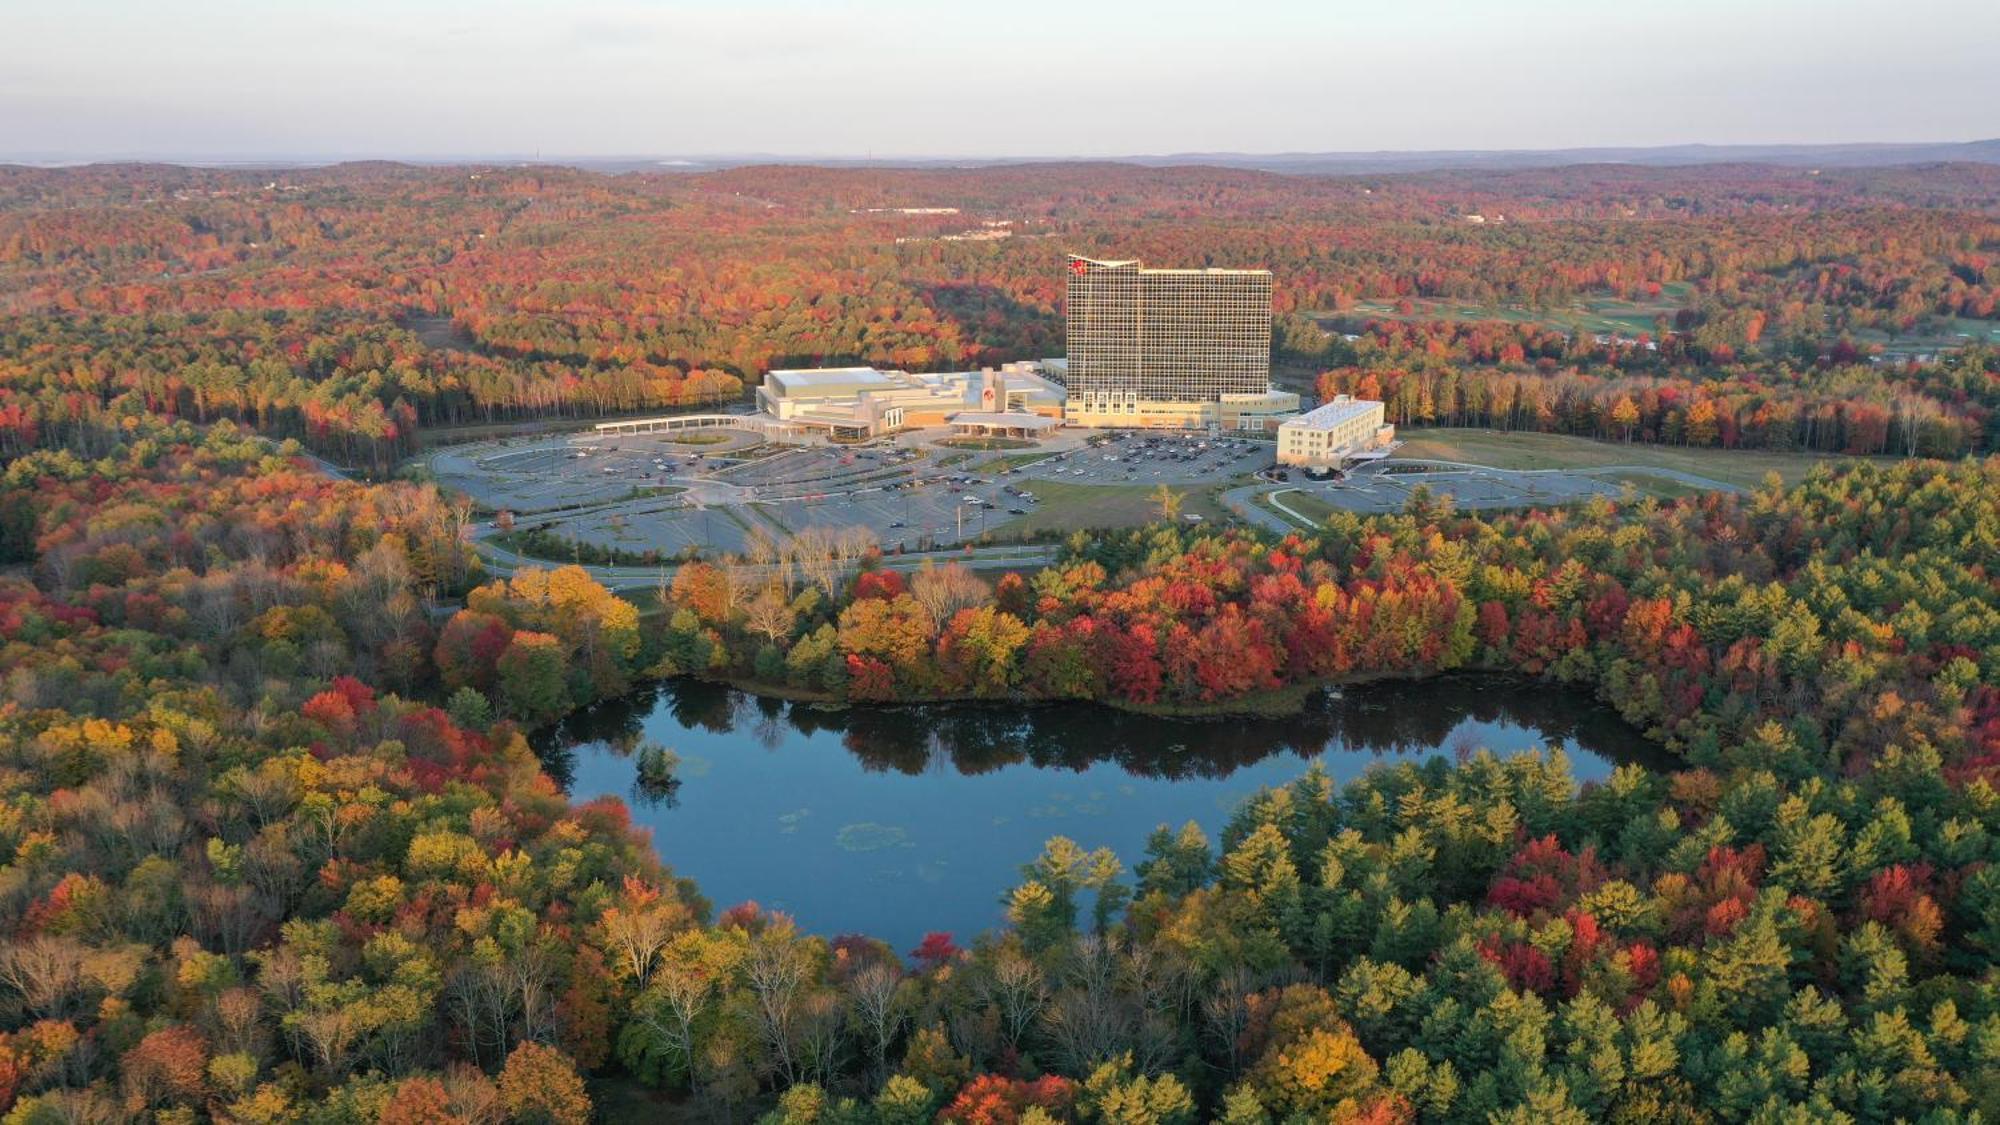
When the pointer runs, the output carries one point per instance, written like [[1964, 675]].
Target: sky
[[440, 79]]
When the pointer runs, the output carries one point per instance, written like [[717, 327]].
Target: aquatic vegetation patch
[[869, 837]]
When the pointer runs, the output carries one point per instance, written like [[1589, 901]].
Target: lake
[[895, 821]]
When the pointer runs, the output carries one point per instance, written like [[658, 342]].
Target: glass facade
[[1164, 336]]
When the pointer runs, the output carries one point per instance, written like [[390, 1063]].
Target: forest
[[352, 307], [278, 850], [275, 847]]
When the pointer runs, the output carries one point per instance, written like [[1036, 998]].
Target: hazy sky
[[439, 78]]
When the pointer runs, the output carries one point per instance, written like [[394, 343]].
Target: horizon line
[[189, 158]]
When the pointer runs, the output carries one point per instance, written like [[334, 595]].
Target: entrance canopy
[[998, 424]]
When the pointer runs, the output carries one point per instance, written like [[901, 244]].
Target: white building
[[1331, 435], [859, 402]]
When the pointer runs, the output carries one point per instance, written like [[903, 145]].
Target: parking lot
[[636, 496], [1132, 457], [543, 474], [642, 493], [670, 530]]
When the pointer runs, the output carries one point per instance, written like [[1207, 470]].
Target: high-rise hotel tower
[[1165, 347]]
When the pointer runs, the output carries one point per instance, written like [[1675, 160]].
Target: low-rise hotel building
[[1331, 435]]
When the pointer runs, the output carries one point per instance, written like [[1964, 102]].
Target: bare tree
[[853, 544], [1227, 1008], [765, 553], [876, 994], [680, 993], [47, 973], [1088, 1022], [822, 1027], [776, 969], [238, 1025], [814, 551], [944, 590], [1018, 988]]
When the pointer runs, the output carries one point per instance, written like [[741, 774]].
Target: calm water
[[896, 821]]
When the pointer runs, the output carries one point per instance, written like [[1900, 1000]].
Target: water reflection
[[972, 739], [897, 820]]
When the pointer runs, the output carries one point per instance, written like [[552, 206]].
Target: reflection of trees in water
[[1390, 717], [768, 729]]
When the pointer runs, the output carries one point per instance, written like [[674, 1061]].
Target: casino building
[[1177, 348], [852, 403]]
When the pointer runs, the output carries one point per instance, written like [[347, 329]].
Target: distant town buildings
[[986, 233], [1331, 435], [1170, 347]]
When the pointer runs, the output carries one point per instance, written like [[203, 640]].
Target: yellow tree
[[540, 1084], [1625, 414]]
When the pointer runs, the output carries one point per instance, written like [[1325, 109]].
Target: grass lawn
[[1743, 467], [1304, 503], [1609, 315], [1666, 488], [985, 443], [1067, 507], [1015, 460], [694, 438]]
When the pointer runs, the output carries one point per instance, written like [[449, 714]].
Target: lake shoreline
[[1286, 702], [900, 818]]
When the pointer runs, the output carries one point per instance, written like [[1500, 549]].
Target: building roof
[[1342, 409], [826, 376], [1192, 271]]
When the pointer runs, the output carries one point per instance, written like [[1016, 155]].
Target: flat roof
[[1168, 269], [1334, 413], [1204, 270], [826, 376]]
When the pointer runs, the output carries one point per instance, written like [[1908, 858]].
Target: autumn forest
[[275, 845]]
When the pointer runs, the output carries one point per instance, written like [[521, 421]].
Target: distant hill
[[1880, 155], [1804, 156], [1324, 163]]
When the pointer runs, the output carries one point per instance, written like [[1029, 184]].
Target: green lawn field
[[1743, 467], [1067, 507]]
